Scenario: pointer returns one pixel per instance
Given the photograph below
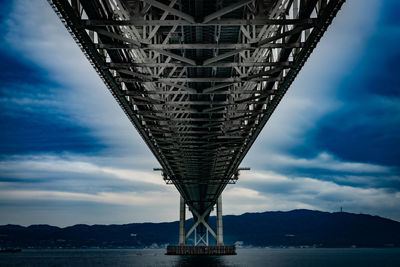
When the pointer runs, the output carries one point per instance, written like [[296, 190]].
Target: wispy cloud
[[323, 161], [126, 198], [258, 191], [70, 165]]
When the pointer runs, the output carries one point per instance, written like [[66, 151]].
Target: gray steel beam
[[218, 64], [285, 34], [222, 56], [207, 91], [198, 80], [170, 10], [226, 10], [133, 43], [175, 56], [221, 22], [248, 46]]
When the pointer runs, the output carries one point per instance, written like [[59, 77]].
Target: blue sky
[[69, 155]]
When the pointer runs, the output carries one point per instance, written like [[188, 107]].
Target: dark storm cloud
[[31, 117], [366, 128]]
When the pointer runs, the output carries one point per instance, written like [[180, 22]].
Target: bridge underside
[[198, 79]]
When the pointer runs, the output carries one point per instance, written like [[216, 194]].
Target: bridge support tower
[[182, 218], [220, 236], [200, 231]]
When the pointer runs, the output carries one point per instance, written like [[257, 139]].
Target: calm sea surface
[[246, 257]]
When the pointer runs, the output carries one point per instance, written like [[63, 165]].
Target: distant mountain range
[[292, 228]]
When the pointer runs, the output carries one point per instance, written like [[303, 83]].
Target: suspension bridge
[[199, 80]]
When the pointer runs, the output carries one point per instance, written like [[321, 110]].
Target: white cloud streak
[[323, 161], [54, 164], [143, 199]]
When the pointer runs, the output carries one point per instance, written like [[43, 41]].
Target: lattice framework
[[198, 79]]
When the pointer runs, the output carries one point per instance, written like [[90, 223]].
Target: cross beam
[[220, 22]]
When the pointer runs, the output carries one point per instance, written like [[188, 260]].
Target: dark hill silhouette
[[292, 228]]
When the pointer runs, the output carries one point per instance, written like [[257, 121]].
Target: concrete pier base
[[201, 250]]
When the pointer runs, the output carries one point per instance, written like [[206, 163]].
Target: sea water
[[271, 257]]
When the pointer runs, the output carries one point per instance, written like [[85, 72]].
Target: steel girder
[[198, 79]]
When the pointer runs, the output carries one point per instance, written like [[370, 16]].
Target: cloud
[[326, 167], [127, 198], [69, 154], [313, 94], [70, 189], [324, 161], [65, 208], [76, 90], [258, 191], [77, 173]]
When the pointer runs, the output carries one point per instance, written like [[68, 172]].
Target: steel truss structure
[[198, 79]]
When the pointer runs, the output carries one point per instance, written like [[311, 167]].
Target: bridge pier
[[182, 215], [220, 237], [201, 231]]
